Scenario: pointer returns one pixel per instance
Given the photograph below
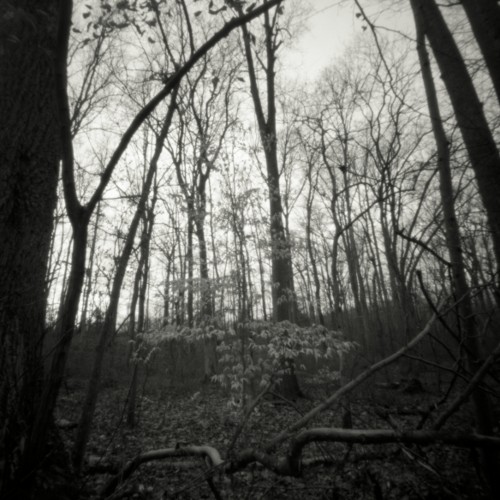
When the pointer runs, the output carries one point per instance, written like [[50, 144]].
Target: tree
[[484, 18], [109, 325], [35, 135], [481, 399], [478, 138], [282, 274], [283, 296], [204, 119], [29, 158]]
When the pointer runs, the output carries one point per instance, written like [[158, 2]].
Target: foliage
[[143, 348], [254, 353]]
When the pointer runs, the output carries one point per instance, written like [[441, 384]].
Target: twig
[[468, 390], [433, 306], [423, 245], [248, 412], [349, 387], [485, 387]]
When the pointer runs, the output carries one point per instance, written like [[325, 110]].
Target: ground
[[203, 416]]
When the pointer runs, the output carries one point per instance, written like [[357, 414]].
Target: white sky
[[329, 29], [331, 26]]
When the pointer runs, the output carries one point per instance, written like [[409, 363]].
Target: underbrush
[[203, 416]]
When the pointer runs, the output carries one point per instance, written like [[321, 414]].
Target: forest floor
[[190, 417]]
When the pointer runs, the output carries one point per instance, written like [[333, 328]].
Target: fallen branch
[[368, 373], [383, 436], [183, 451], [291, 464]]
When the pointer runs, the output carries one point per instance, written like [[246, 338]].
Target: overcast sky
[[330, 27]]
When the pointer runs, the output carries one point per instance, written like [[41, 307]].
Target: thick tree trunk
[[281, 267], [479, 141], [452, 231], [29, 157], [283, 298], [484, 18], [206, 311]]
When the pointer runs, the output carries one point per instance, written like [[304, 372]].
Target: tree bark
[[282, 275], [29, 159], [479, 141], [283, 297], [452, 231], [484, 18]]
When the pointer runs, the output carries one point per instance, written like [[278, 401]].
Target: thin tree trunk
[[260, 261], [90, 267], [109, 324], [310, 250], [190, 268], [133, 346], [166, 294], [140, 287]]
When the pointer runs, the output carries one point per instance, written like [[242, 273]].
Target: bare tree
[[481, 399], [36, 133], [478, 138], [282, 275]]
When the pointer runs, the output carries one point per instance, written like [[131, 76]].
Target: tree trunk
[[139, 296], [310, 250], [479, 141], [109, 324], [282, 276], [29, 158], [131, 361], [283, 299], [206, 312], [484, 18], [260, 260], [452, 231], [88, 271]]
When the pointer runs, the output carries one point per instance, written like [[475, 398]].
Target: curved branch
[[422, 244], [290, 464], [170, 84], [73, 206], [182, 451], [384, 436], [288, 433]]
